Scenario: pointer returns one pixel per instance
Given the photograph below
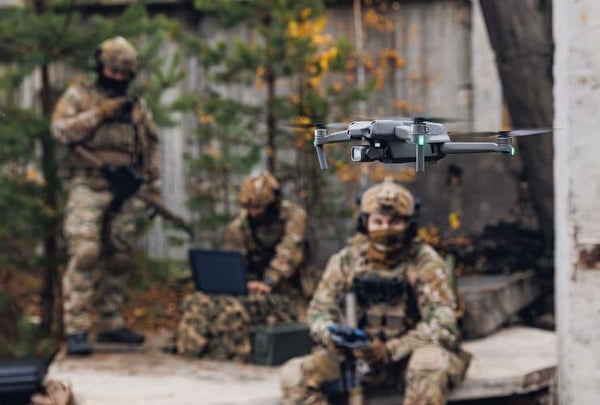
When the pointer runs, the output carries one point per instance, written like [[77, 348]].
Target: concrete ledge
[[491, 300], [514, 361]]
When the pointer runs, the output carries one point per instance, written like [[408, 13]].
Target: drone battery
[[19, 379], [273, 345]]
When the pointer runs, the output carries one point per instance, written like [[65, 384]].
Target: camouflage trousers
[[97, 267], [221, 326], [424, 378]]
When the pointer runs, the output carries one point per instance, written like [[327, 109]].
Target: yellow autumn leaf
[[454, 220]]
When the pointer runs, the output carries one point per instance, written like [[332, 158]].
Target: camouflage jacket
[[423, 313], [276, 250], [134, 140]]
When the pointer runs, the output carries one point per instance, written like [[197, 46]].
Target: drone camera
[[366, 153]]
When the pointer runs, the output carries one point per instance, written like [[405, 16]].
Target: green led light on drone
[[421, 140], [512, 151]]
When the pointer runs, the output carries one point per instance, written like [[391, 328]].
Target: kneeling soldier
[[270, 233], [405, 307]]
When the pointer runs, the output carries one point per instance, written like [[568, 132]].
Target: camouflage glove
[[374, 353], [335, 350], [110, 108]]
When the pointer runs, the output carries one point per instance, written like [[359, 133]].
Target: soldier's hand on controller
[[374, 353]]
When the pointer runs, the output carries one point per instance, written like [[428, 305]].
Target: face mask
[[113, 88], [270, 214], [387, 240]]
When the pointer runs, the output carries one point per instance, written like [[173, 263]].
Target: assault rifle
[[347, 338], [125, 182]]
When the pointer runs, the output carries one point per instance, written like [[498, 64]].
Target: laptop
[[218, 271]]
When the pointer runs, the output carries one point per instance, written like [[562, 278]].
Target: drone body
[[409, 140]]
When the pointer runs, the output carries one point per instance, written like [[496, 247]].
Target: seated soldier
[[270, 233], [404, 310]]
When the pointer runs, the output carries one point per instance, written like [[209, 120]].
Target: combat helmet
[[118, 54], [260, 190], [387, 197]]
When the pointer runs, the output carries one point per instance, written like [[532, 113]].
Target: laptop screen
[[218, 271]]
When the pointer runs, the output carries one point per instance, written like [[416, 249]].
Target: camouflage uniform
[[221, 326], [99, 246], [417, 326]]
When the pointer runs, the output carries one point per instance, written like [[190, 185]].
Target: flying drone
[[408, 140]]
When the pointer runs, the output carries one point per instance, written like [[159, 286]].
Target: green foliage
[[19, 334], [35, 38], [280, 53], [147, 271]]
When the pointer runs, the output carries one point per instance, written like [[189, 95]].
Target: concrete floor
[[148, 376], [512, 361]]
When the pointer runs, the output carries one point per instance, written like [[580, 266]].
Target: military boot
[[77, 344], [121, 335]]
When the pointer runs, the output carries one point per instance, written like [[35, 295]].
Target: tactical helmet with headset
[[117, 53], [389, 197], [260, 190]]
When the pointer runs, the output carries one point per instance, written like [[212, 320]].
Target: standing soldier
[[405, 306], [118, 129], [270, 233]]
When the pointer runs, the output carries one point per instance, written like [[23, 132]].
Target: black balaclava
[[113, 88], [269, 215]]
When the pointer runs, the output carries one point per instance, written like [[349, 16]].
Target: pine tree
[[268, 87], [37, 40]]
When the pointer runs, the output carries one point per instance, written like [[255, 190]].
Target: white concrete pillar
[[577, 195]]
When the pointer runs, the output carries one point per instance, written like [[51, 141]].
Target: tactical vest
[[260, 245], [386, 303], [116, 142]]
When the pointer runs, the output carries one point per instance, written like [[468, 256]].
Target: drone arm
[[449, 148], [322, 138]]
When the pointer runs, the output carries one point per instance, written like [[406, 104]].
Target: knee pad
[[86, 255], [291, 374], [429, 358]]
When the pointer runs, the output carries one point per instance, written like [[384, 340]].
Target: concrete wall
[[576, 174]]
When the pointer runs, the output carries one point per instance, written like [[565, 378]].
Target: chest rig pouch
[[373, 289], [261, 243], [388, 308]]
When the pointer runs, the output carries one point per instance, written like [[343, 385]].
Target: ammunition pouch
[[372, 288]]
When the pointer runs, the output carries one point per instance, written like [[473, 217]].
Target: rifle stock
[[163, 211], [147, 198]]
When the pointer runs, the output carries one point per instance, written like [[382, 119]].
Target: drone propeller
[[514, 132], [442, 120], [418, 119], [317, 125]]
